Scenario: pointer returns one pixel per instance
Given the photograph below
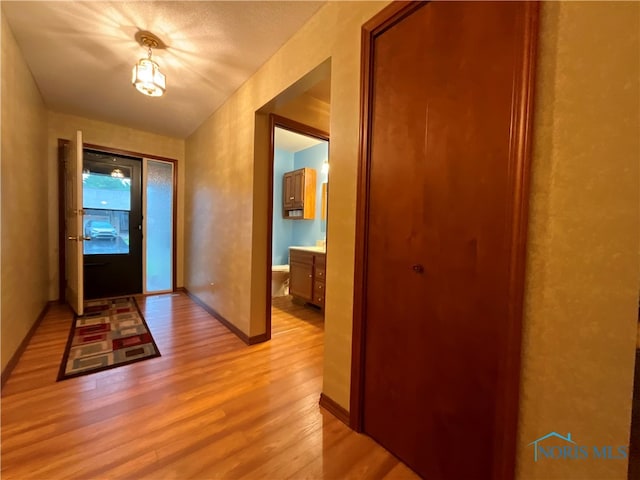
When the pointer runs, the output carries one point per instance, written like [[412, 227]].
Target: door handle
[[79, 239], [417, 268]]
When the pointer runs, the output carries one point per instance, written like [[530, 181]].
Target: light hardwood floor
[[209, 407]]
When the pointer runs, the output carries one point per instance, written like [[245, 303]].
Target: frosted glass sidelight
[[159, 226]]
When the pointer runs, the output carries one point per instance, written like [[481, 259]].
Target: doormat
[[111, 333]]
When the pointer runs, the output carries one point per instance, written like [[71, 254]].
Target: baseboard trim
[[338, 411], [263, 337], [239, 333], [6, 373]]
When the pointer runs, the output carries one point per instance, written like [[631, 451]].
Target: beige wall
[[582, 277], [24, 261], [308, 110], [222, 198], [582, 281], [115, 136]]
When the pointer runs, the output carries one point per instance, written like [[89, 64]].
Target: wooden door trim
[[519, 177], [63, 146], [519, 174], [297, 127]]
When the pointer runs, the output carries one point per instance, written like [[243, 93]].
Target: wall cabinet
[[306, 276], [299, 194]]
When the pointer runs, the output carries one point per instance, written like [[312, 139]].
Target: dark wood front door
[[112, 225], [443, 231]]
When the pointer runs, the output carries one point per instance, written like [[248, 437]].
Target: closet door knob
[[417, 268]]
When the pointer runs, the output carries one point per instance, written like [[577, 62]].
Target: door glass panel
[[107, 203], [159, 230]]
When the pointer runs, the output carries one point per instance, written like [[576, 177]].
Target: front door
[[443, 184], [73, 238], [112, 225]]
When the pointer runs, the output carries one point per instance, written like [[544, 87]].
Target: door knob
[[417, 268]]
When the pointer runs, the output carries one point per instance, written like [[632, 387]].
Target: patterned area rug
[[111, 333]]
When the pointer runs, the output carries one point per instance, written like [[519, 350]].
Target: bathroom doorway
[[299, 157]]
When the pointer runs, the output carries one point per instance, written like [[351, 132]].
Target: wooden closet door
[[445, 89]]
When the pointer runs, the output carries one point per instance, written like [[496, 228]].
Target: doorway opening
[[126, 204], [301, 112], [300, 163]]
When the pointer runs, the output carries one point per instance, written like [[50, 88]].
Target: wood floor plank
[[209, 407]]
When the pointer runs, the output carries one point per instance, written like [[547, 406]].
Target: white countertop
[[310, 249]]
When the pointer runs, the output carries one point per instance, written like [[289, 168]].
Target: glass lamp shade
[[147, 79]]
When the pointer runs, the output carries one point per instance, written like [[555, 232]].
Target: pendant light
[[146, 76], [117, 173]]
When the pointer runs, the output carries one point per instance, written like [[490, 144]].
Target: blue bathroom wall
[[282, 229], [307, 232]]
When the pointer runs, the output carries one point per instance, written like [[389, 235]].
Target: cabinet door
[[298, 188], [301, 280], [288, 190]]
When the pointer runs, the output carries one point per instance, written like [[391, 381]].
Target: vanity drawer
[[298, 256], [320, 273], [319, 270], [318, 293]]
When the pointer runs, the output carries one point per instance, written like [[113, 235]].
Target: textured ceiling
[[81, 54], [293, 142]]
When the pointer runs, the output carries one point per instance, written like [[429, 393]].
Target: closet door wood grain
[[443, 234]]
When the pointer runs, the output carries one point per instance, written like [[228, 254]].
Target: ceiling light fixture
[[146, 75]]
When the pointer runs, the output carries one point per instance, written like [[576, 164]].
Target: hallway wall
[[582, 275], [582, 272], [24, 249], [224, 198]]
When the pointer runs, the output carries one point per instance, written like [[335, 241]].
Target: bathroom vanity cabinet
[[307, 272], [299, 194]]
